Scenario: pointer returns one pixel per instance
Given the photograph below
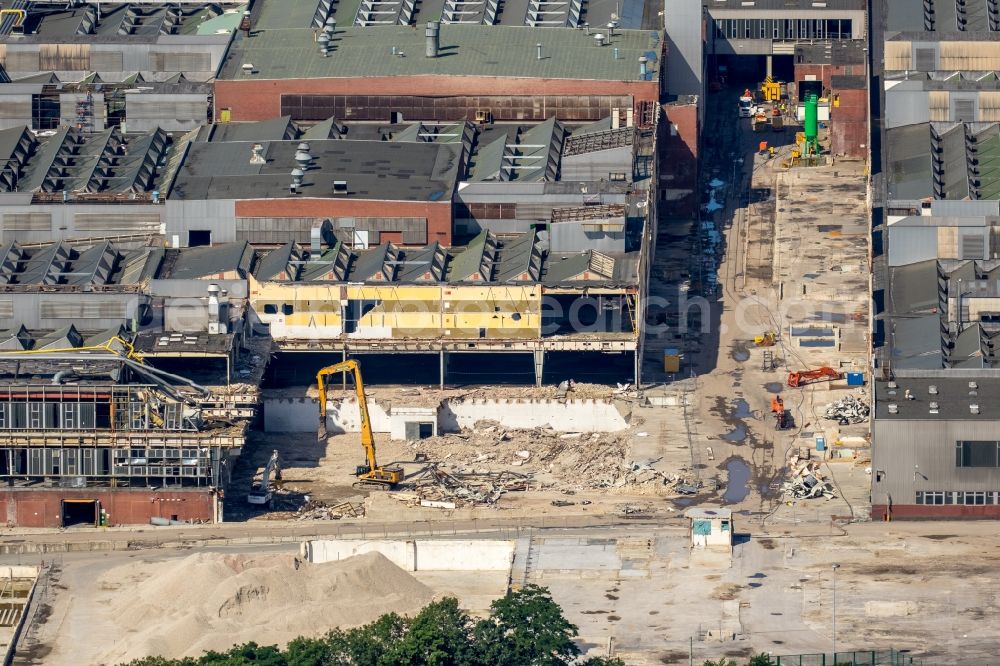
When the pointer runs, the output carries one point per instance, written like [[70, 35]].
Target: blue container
[[855, 379], [820, 443]]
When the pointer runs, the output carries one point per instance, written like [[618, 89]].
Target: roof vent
[[643, 66], [324, 44], [303, 159], [432, 35], [599, 39], [973, 385], [973, 408], [296, 180], [893, 408], [893, 385], [340, 187], [257, 154], [933, 408], [932, 389]]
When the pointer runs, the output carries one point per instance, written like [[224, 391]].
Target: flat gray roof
[[953, 397], [466, 50], [371, 169]]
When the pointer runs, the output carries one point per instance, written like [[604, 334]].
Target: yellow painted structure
[[296, 310]]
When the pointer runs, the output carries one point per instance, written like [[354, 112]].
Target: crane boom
[[370, 474]]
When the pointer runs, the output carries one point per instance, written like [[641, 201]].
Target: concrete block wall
[[418, 555], [569, 416], [300, 415]]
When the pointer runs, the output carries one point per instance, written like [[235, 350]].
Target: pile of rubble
[[481, 464], [313, 510], [436, 487], [806, 482], [848, 410], [574, 461]]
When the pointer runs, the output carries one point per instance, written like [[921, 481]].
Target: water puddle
[[774, 387], [737, 481], [740, 355], [741, 409], [737, 435]]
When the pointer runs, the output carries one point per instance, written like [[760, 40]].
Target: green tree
[[761, 659], [526, 628], [603, 661], [306, 652], [722, 662], [440, 635]]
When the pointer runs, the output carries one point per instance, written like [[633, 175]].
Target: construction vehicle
[[765, 339], [770, 90], [782, 420], [746, 106], [824, 374], [371, 474], [262, 489]]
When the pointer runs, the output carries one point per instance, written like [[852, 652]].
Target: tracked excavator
[[371, 474]]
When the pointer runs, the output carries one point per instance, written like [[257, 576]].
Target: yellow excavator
[[371, 474]]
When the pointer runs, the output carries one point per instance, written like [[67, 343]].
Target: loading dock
[[80, 512]]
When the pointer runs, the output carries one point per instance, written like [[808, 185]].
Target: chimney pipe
[[433, 38], [642, 66], [539, 47], [616, 53]]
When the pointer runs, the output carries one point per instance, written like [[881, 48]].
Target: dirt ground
[[928, 588]]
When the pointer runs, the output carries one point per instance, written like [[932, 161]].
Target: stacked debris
[[848, 410], [314, 510], [435, 487], [807, 482], [575, 461]]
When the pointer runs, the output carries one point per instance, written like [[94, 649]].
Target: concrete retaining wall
[[418, 555], [569, 416], [300, 415]]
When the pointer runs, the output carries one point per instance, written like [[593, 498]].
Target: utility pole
[[835, 567]]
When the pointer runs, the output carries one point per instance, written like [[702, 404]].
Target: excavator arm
[[371, 474]]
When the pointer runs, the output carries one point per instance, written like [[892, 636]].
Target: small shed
[[711, 528]]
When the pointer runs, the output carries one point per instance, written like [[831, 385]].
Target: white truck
[[746, 105]]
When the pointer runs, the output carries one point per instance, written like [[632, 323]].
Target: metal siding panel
[[909, 245]]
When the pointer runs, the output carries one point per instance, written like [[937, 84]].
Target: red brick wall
[[43, 508], [679, 152], [937, 512], [849, 124], [438, 214], [261, 100]]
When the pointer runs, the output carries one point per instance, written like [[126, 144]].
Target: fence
[[890, 657]]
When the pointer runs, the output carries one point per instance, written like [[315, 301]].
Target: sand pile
[[211, 602]]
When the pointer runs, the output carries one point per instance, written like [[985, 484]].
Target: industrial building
[[499, 297], [127, 380], [522, 61], [367, 184], [936, 212], [71, 63]]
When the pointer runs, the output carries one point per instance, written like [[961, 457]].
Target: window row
[[783, 28], [959, 497], [977, 453]]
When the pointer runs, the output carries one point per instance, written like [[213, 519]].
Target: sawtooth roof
[[487, 259]]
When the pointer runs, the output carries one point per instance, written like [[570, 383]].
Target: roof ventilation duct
[[297, 175], [432, 35]]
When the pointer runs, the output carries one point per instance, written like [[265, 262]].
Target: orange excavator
[[824, 374], [781, 417]]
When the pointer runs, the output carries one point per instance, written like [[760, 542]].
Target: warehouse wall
[[32, 223], [849, 125], [43, 508], [438, 214], [261, 99]]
